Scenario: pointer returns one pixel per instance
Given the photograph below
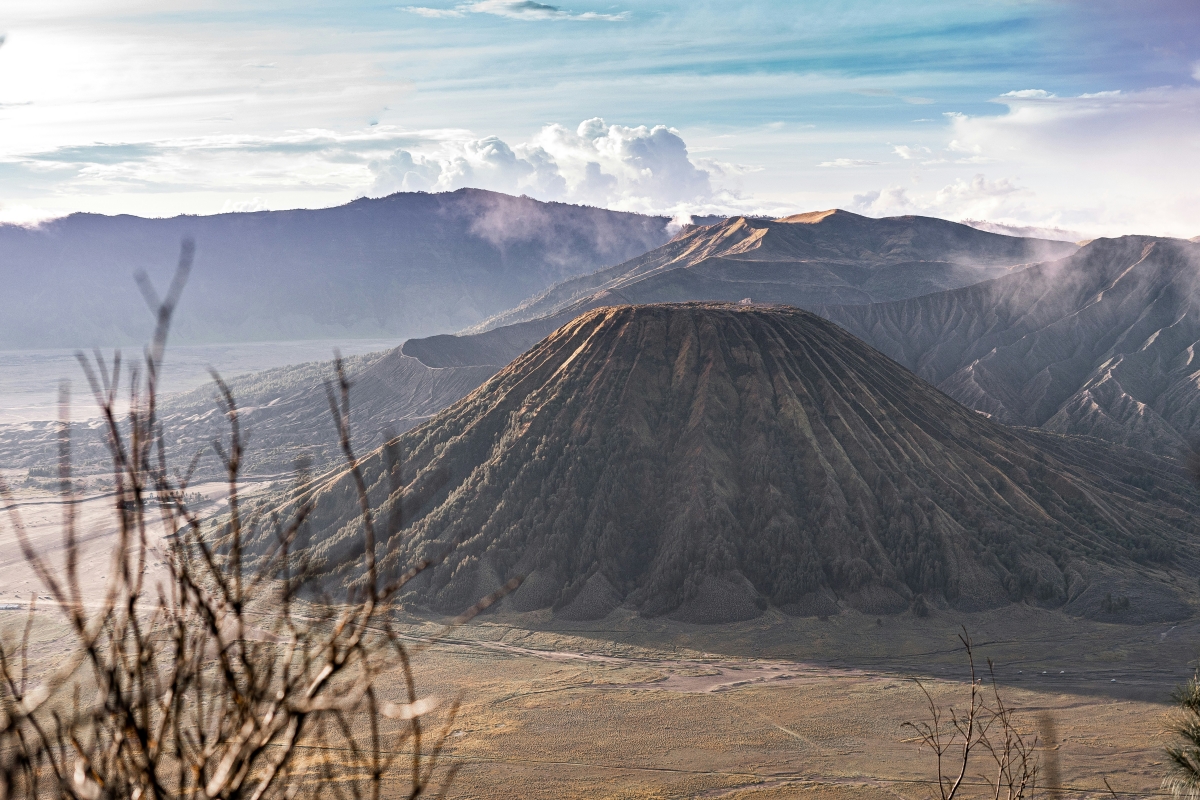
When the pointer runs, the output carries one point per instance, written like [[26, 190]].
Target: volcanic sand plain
[[773, 707], [779, 707], [669, 711]]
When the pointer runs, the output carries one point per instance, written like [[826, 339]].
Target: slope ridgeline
[[822, 257], [1101, 343]]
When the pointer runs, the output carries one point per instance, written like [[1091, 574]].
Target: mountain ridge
[[409, 264], [807, 259], [1100, 343]]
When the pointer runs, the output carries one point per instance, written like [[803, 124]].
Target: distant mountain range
[[429, 373], [820, 258], [708, 461], [1102, 343], [806, 257], [1099, 343], [400, 266], [284, 413]]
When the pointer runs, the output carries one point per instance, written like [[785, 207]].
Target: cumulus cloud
[[887, 202], [404, 172], [514, 9], [632, 168], [1112, 162]]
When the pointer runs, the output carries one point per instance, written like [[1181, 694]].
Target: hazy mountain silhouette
[[706, 461], [1102, 343], [289, 415], [399, 266], [804, 260], [796, 260]]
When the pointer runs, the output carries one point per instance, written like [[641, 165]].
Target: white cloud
[[514, 9], [1196, 71], [434, 13], [632, 168], [1115, 162], [1058, 234], [651, 164], [243, 206], [1039, 94], [487, 162], [976, 198], [1109, 162], [404, 172], [724, 169], [25, 215], [848, 162], [885, 202], [975, 190]]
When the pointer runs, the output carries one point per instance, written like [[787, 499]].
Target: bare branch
[[212, 684]]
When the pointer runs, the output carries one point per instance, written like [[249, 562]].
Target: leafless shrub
[[1183, 780], [983, 736], [1183, 755], [222, 682]]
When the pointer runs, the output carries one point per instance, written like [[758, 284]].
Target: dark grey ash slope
[[1102, 343], [709, 461]]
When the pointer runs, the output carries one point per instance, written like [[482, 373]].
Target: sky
[[1080, 116]]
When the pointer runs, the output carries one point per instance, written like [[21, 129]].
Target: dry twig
[[213, 685], [985, 730]]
